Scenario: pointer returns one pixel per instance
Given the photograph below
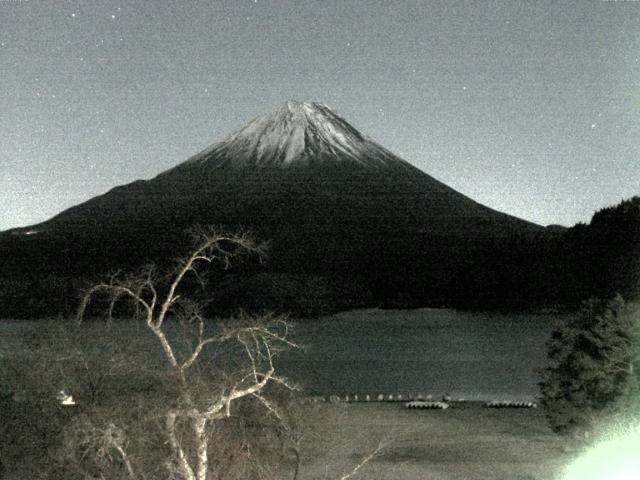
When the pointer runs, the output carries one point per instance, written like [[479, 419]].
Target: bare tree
[[206, 387], [192, 399]]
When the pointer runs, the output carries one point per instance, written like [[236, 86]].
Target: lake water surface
[[476, 356]]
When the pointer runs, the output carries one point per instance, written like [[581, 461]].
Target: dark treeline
[[559, 268], [555, 267]]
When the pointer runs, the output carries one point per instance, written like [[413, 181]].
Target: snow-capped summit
[[296, 133]]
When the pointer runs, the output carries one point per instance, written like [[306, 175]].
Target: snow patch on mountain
[[298, 132]]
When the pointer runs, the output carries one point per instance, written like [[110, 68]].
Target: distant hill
[[562, 267]]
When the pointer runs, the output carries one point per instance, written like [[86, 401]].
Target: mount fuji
[[330, 201]]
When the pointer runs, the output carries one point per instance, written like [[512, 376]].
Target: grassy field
[[465, 442]]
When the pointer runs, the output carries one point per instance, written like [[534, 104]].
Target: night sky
[[531, 108]]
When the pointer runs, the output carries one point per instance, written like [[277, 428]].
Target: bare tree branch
[[180, 457], [376, 451]]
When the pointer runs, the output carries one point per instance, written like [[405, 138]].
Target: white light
[[64, 398], [615, 459]]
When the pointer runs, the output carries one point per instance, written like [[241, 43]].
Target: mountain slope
[[330, 200], [302, 150]]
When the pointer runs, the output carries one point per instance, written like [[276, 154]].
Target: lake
[[470, 355]]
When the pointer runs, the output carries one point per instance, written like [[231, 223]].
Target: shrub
[[592, 374]]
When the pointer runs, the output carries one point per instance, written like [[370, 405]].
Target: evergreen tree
[[592, 374]]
